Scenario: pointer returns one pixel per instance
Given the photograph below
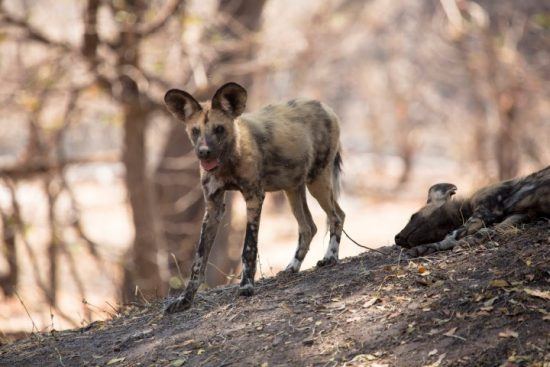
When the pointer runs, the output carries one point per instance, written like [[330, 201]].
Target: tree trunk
[[506, 145], [8, 282], [53, 246], [177, 178], [142, 274]]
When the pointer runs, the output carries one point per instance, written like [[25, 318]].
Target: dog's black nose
[[399, 240], [203, 152]]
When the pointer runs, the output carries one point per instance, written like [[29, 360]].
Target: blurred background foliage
[[99, 196]]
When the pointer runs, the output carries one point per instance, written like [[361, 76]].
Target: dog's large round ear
[[440, 193], [230, 99], [181, 104]]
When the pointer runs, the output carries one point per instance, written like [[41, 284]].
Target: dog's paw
[[286, 272], [292, 268], [327, 262], [415, 251], [178, 305], [246, 290]]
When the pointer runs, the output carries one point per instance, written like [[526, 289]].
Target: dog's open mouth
[[209, 164]]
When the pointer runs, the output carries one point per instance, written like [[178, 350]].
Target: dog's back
[[295, 141], [525, 195]]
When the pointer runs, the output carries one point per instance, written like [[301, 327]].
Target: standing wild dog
[[447, 221], [280, 147]]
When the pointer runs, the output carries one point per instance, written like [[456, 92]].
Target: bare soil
[[483, 304]]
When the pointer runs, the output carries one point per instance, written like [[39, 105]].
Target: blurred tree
[[113, 64], [8, 281], [488, 38]]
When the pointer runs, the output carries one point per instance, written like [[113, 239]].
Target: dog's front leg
[[214, 212], [254, 201]]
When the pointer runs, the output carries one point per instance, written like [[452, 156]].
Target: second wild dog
[[289, 147], [442, 221]]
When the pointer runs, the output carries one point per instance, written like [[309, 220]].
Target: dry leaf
[[115, 360], [507, 334], [353, 319], [338, 307], [451, 332], [441, 321], [285, 306], [438, 362], [394, 314], [490, 302], [364, 358], [498, 283], [370, 302], [177, 362], [537, 293]]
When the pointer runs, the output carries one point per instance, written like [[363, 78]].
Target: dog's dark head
[[440, 216], [210, 126]]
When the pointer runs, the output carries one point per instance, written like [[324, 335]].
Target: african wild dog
[[280, 147], [442, 221]]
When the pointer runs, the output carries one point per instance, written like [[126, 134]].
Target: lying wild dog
[[280, 147], [442, 221]]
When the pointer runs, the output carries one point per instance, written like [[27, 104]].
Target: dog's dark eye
[[196, 132], [218, 130]]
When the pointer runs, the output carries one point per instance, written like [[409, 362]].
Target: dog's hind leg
[[322, 189], [307, 228]]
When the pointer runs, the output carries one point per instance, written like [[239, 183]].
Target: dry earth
[[483, 304]]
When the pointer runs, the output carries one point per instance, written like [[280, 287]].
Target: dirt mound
[[482, 305]]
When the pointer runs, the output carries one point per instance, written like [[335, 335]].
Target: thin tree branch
[[52, 193], [21, 228], [77, 279], [90, 37], [31, 32], [38, 167], [170, 8]]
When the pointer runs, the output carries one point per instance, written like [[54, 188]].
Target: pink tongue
[[209, 164]]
